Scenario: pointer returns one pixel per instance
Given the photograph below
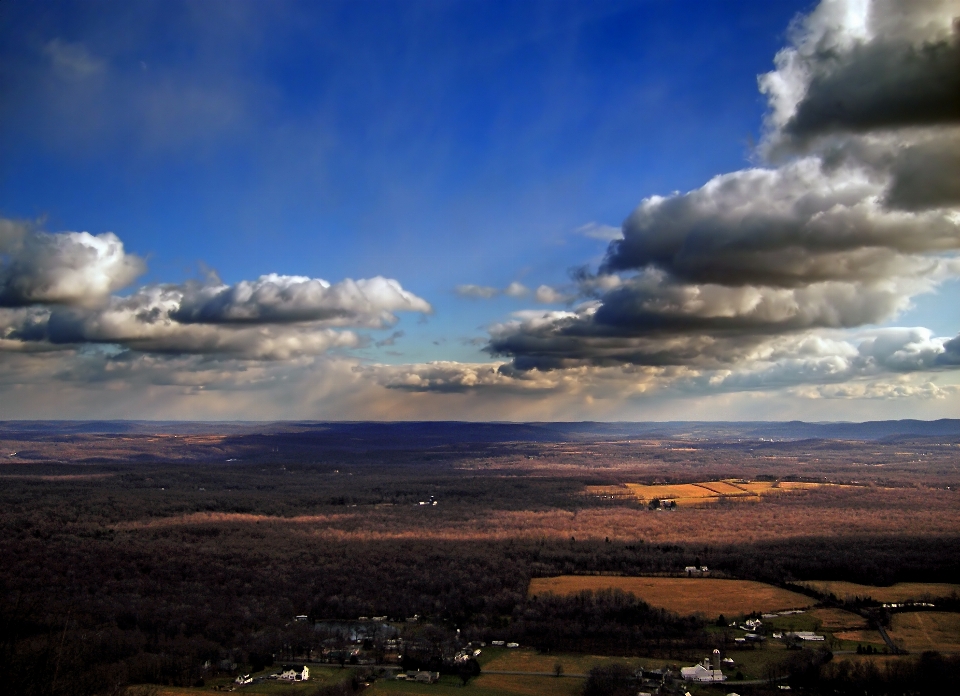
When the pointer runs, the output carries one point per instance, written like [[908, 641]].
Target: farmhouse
[[699, 673], [705, 671], [290, 674]]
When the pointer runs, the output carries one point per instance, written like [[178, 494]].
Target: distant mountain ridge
[[396, 433]]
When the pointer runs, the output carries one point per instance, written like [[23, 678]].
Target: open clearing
[[900, 592], [707, 596], [926, 630], [702, 492]]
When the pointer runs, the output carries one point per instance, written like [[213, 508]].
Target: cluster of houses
[[288, 674], [754, 630], [696, 571]]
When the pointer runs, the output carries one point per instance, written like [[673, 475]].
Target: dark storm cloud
[[880, 85]]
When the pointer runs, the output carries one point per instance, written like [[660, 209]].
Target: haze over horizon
[[521, 211]]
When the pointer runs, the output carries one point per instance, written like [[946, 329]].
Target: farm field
[[900, 592], [866, 637], [484, 685], [701, 492], [837, 620], [709, 597], [525, 660], [917, 631]]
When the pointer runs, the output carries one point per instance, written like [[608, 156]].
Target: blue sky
[[439, 144]]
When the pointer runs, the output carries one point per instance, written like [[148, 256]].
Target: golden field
[[702, 492], [917, 631], [901, 592], [707, 596]]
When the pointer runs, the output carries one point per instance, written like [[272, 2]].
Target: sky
[[379, 210]]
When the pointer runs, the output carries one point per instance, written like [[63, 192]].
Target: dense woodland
[[123, 568]]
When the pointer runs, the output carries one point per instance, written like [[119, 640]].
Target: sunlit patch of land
[[702, 492], [900, 592], [917, 631], [709, 597], [825, 512]]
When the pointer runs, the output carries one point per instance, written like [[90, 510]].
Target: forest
[[142, 557]]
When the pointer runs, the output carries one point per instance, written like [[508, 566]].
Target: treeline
[[608, 622], [929, 673]]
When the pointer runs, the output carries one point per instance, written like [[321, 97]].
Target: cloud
[[72, 60], [548, 295], [55, 291], [68, 268], [273, 299], [448, 377], [486, 292], [145, 322], [516, 289], [767, 277], [483, 292], [857, 66], [595, 230], [787, 227], [391, 339]]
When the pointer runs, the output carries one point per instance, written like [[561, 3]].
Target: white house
[[294, 675]]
